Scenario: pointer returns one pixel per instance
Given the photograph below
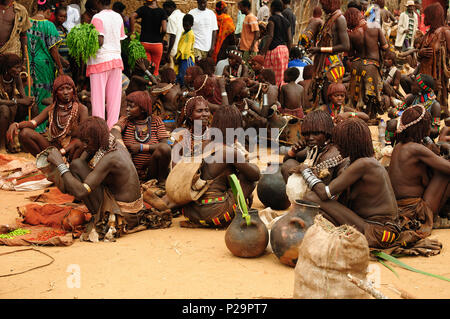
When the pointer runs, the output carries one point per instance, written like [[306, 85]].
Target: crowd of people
[[109, 129]]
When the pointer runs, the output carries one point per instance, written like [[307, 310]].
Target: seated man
[[420, 178], [317, 128], [105, 179], [236, 67], [366, 199], [292, 95], [64, 116], [145, 137]]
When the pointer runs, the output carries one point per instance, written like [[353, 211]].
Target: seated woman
[[419, 177], [145, 137], [317, 128], [169, 98], [336, 94], [12, 96], [422, 92], [251, 111], [216, 207], [64, 116], [212, 89]]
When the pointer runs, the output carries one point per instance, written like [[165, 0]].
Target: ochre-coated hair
[[141, 99], [203, 89], [317, 12], [167, 75], [207, 65], [234, 88], [187, 110], [195, 71], [331, 5], [227, 117], [7, 61], [269, 76], [435, 15], [318, 121], [62, 80], [353, 16], [334, 88], [95, 128], [353, 139], [416, 132]]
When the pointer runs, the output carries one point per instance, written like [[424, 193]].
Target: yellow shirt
[[186, 46]]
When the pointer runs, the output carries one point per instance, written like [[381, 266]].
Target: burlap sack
[[326, 255]]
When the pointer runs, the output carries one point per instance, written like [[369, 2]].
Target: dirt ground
[[178, 263]]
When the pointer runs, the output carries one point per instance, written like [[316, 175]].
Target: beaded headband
[[235, 52], [192, 98], [401, 127], [204, 82], [422, 84]]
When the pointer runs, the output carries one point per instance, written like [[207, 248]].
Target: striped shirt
[[157, 134]]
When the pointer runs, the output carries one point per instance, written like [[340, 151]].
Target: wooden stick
[[367, 287], [29, 81]]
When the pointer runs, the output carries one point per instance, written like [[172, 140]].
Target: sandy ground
[[178, 263]]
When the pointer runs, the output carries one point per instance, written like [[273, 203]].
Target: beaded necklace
[[147, 131], [66, 126], [103, 151]]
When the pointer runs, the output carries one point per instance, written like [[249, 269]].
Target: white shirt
[[220, 66], [175, 27], [109, 24], [205, 22], [73, 16]]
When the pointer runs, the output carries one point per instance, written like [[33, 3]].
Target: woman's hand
[[55, 157], [13, 130]]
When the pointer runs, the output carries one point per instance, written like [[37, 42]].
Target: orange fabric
[[249, 27], [60, 217], [53, 196], [226, 27]]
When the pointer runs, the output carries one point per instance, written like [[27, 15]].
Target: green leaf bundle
[[82, 42], [135, 51]]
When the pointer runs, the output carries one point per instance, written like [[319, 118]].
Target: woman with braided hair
[[145, 137], [362, 195], [64, 116], [317, 127], [212, 88], [419, 176]]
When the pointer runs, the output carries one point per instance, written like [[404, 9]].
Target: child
[[306, 83], [296, 61], [60, 18], [292, 94], [314, 25], [185, 52]]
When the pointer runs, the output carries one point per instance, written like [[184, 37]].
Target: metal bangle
[[62, 168], [265, 99], [314, 182], [327, 190], [148, 73], [87, 187], [224, 94], [306, 173]]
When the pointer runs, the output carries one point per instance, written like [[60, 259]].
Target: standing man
[[264, 12], [407, 27], [205, 30], [174, 28], [14, 22], [105, 69], [289, 15], [250, 32]]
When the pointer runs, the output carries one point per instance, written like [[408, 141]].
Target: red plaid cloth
[[277, 60]]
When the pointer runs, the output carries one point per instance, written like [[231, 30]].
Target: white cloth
[[205, 22], [220, 66], [175, 27], [263, 13], [73, 16], [109, 24], [402, 29]]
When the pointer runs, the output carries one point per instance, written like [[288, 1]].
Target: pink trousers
[[106, 86]]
